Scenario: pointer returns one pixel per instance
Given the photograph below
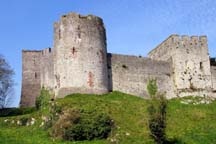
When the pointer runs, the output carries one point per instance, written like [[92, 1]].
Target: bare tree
[[6, 83]]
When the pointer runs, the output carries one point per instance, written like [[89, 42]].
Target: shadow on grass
[[6, 112]]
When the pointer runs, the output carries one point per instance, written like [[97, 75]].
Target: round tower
[[80, 55]]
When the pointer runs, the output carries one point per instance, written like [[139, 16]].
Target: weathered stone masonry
[[79, 63]]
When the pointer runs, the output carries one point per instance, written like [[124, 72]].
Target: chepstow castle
[[79, 63]]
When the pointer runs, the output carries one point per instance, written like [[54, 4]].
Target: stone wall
[[164, 51], [213, 73], [30, 77], [80, 61], [190, 59], [47, 69], [130, 74], [191, 64]]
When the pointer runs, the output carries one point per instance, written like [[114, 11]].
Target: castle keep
[[79, 63]]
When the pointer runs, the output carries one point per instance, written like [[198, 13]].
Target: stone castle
[[79, 63]]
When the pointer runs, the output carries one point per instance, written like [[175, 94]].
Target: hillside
[[186, 123]]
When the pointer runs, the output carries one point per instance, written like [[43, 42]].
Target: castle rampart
[[130, 74]]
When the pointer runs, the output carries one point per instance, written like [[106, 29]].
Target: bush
[[54, 112], [89, 128], [152, 87], [77, 125], [66, 120], [157, 118], [15, 111], [157, 114], [43, 99], [23, 121]]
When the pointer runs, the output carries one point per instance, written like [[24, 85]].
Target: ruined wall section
[[30, 77], [47, 69], [80, 61], [191, 65], [213, 73], [130, 74]]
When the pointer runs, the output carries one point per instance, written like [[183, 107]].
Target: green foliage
[[89, 126], [157, 113], [157, 118], [78, 125], [66, 119], [53, 114], [24, 120], [16, 111], [152, 87], [42, 100], [186, 123]]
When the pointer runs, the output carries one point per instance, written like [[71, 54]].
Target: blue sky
[[133, 27]]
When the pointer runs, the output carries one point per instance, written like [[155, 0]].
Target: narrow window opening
[[73, 50], [35, 75], [79, 35], [59, 32], [50, 50], [201, 65]]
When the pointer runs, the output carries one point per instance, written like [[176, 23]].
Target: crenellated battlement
[[78, 16], [189, 41]]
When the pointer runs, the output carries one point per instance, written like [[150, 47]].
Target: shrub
[[157, 118], [24, 121], [152, 87], [54, 112], [66, 120], [15, 111], [43, 99], [157, 114], [74, 125], [98, 126]]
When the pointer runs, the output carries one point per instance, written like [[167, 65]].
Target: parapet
[[46, 51], [75, 15], [167, 48], [31, 51], [191, 41]]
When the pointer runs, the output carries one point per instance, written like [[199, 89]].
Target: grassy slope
[[188, 123]]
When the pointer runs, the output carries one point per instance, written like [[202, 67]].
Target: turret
[[80, 55]]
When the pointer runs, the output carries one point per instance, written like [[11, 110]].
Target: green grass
[[190, 124]]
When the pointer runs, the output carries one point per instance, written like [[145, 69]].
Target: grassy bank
[[187, 123]]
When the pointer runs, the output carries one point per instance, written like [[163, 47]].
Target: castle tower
[[80, 55], [30, 77], [47, 69], [190, 62]]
